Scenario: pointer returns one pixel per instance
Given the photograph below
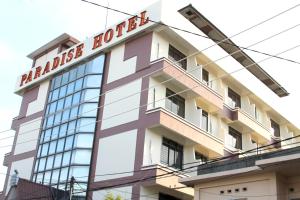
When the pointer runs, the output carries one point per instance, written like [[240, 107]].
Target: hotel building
[[134, 102]]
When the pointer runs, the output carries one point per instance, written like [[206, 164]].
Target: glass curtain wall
[[66, 139]]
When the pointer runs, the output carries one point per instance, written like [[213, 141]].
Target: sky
[[28, 24]]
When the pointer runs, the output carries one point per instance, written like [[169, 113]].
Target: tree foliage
[[110, 196]]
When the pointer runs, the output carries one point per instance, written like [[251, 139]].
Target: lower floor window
[[234, 138], [172, 153]]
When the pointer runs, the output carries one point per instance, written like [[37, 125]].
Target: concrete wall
[[121, 106], [257, 187], [119, 68], [28, 135], [24, 168], [116, 154]]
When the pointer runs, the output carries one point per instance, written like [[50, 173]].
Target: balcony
[[210, 99], [168, 121], [168, 183], [244, 121]]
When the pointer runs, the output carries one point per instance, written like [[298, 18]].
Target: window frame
[[178, 153], [175, 55]]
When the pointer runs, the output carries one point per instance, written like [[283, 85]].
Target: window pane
[[60, 104], [96, 65], [45, 149], [52, 147], [49, 162], [69, 142], [50, 121], [71, 127], [91, 95], [42, 164], [54, 177], [81, 157], [70, 88], [80, 71], [63, 174], [86, 125], [72, 76], [55, 94], [81, 173], [76, 98], [57, 82], [57, 161], [60, 145], [65, 116], [52, 107], [62, 91], [39, 177], [65, 78], [88, 110], [57, 118], [55, 132], [84, 140], [78, 84], [63, 130], [92, 81], [66, 158], [73, 114], [68, 102], [47, 135], [47, 178]]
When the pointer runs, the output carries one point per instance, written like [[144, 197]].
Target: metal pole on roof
[[106, 14]]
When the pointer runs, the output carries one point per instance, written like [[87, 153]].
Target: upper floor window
[[200, 157], [175, 55], [172, 153], [204, 120], [235, 97], [205, 76], [175, 103], [275, 128], [234, 138]]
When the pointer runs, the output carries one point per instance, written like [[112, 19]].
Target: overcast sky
[[28, 24]]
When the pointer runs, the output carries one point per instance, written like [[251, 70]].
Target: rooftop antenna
[[106, 14]]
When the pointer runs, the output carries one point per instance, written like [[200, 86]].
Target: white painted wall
[[119, 107], [156, 94], [160, 47], [116, 154], [192, 114], [48, 56], [152, 148], [39, 103], [124, 192], [118, 68], [24, 168], [28, 136]]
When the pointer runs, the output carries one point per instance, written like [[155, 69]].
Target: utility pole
[[72, 186]]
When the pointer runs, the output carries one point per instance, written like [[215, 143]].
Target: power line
[[182, 91], [197, 34], [160, 83], [208, 162], [212, 161], [218, 42]]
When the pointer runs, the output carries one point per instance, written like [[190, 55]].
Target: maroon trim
[[97, 128], [17, 122], [141, 48], [28, 96]]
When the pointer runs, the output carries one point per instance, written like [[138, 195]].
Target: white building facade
[[129, 105]]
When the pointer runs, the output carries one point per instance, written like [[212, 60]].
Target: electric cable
[[247, 29], [163, 82]]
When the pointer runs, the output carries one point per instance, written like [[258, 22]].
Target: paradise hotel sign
[[89, 47]]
